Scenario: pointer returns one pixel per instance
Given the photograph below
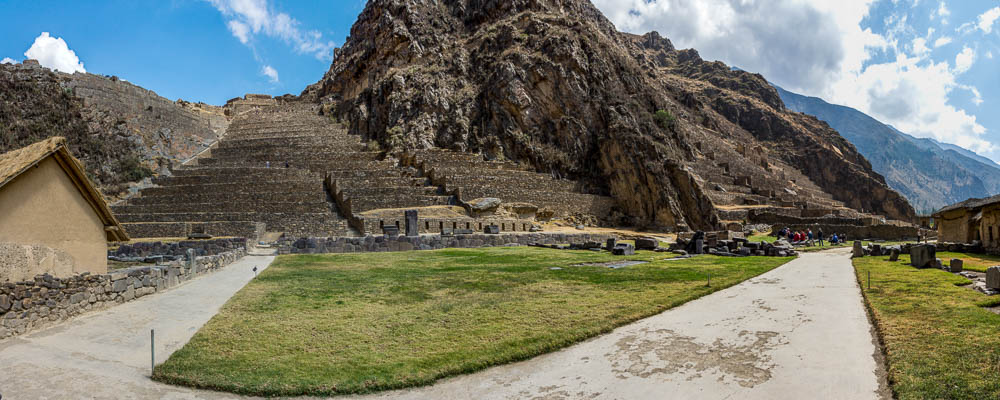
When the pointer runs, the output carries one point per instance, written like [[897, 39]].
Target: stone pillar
[[955, 265], [412, 229], [192, 264], [858, 250]]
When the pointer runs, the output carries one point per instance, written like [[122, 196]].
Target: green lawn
[[333, 324], [940, 343], [971, 262]]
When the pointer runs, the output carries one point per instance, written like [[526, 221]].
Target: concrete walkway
[[797, 332], [105, 355]]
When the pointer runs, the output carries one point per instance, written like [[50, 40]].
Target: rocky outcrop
[[121, 132], [553, 84]]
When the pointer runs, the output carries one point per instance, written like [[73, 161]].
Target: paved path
[[797, 332], [105, 355]]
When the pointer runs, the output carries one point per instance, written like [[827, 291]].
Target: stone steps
[[564, 203], [523, 179], [360, 204]]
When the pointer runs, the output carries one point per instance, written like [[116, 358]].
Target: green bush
[[665, 119]]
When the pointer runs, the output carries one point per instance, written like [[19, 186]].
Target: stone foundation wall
[[435, 225], [29, 305], [178, 249], [370, 244], [182, 229]]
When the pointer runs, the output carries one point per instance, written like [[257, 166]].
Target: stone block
[[623, 249], [894, 254], [955, 265], [993, 277], [922, 256], [412, 226], [646, 244], [876, 250], [491, 229], [858, 250], [119, 286], [610, 244], [699, 246], [390, 230]]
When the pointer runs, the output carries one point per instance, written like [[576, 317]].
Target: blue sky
[[927, 67], [185, 48]]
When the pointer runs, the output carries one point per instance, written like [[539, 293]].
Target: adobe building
[[52, 218], [971, 220]]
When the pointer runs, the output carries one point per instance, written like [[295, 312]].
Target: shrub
[[665, 119]]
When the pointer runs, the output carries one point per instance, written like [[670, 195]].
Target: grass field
[[333, 324], [971, 262], [940, 342]]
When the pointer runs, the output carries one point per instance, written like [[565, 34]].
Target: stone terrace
[[743, 183], [469, 176], [234, 192]]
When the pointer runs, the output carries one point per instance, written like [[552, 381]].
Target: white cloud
[[8, 60], [941, 12], [53, 53], [270, 73], [941, 41], [830, 56], [986, 19], [920, 46], [964, 60], [248, 18]]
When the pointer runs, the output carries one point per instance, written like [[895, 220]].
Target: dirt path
[[105, 355], [799, 331]]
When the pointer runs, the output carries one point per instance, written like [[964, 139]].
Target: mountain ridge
[[929, 173], [553, 84]]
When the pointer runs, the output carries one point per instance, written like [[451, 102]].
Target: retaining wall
[[47, 300], [371, 244]]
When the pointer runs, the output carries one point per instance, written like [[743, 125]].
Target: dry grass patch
[[334, 324]]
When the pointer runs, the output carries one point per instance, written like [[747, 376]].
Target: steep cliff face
[[552, 83], [121, 132]]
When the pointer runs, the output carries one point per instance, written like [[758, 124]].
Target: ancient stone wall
[[177, 249], [47, 300], [370, 244]]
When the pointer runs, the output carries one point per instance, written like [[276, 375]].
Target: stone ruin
[[282, 167]]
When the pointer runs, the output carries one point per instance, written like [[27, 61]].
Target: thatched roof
[[16, 162], [971, 204]]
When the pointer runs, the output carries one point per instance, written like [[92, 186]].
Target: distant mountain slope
[[929, 173], [121, 132]]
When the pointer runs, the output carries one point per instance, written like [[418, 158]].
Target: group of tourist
[[808, 237]]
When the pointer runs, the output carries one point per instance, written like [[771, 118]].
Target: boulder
[[993, 277], [876, 250], [610, 245], [646, 244], [482, 206], [922, 256]]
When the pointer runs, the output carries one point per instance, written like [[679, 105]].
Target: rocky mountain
[[930, 174], [553, 84], [121, 132]]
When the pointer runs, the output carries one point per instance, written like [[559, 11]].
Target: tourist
[[267, 164], [819, 235], [286, 164], [809, 235], [834, 240]]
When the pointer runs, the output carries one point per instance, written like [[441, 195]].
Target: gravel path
[[105, 355]]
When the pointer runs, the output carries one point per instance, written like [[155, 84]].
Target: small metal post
[[709, 279], [869, 279], [152, 351]]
